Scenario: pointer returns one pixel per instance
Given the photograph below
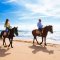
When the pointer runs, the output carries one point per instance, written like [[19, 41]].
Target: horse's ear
[[14, 26], [50, 25], [17, 26]]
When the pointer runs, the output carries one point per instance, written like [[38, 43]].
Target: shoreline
[[39, 40], [49, 41], [25, 41]]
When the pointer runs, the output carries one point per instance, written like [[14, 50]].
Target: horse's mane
[[48, 26], [45, 27], [12, 28]]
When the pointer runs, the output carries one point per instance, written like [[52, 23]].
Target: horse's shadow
[[3, 52], [40, 48]]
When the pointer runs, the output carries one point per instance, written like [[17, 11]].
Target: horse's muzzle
[[17, 34], [51, 31]]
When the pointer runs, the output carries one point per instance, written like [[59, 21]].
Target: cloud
[[48, 7], [45, 7], [10, 1], [2, 27]]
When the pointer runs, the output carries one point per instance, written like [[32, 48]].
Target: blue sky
[[25, 13]]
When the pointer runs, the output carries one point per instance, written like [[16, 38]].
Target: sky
[[25, 13]]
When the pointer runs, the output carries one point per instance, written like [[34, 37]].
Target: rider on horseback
[[39, 25], [7, 26]]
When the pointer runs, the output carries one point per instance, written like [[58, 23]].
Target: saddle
[[39, 32], [6, 33]]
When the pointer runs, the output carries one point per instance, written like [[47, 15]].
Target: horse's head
[[50, 28], [16, 31]]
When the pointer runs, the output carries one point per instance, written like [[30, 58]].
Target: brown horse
[[9, 36], [42, 34]]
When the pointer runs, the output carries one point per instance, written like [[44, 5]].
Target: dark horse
[[42, 34], [9, 35]]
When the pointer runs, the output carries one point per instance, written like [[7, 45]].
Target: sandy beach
[[24, 50]]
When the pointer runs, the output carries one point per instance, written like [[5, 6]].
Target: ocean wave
[[28, 34]]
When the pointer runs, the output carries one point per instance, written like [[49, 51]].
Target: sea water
[[27, 35]]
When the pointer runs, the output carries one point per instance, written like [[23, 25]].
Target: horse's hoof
[[5, 46], [40, 43], [45, 44], [8, 45], [33, 44], [11, 47]]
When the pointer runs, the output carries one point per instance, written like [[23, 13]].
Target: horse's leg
[[37, 41], [45, 41], [3, 41], [11, 43], [42, 41], [10, 40], [33, 40]]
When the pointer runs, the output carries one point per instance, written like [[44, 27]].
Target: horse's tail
[[1, 34], [33, 32]]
